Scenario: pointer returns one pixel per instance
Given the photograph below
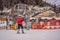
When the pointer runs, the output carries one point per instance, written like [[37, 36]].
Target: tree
[[11, 2], [37, 1], [1, 6], [22, 1], [55, 7], [59, 9]]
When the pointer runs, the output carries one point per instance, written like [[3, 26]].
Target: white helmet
[[19, 15]]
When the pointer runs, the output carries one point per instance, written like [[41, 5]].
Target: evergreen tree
[[59, 9], [54, 8], [1, 6], [37, 2], [11, 2], [22, 1]]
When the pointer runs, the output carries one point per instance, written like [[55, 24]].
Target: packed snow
[[30, 35], [57, 2]]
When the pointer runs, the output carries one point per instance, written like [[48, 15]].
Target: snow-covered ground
[[57, 2], [30, 35]]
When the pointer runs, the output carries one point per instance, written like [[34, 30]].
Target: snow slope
[[30, 35], [57, 2]]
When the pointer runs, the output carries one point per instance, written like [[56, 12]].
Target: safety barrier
[[46, 25], [40, 25], [34, 26]]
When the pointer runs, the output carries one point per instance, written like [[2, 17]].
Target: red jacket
[[19, 20]]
